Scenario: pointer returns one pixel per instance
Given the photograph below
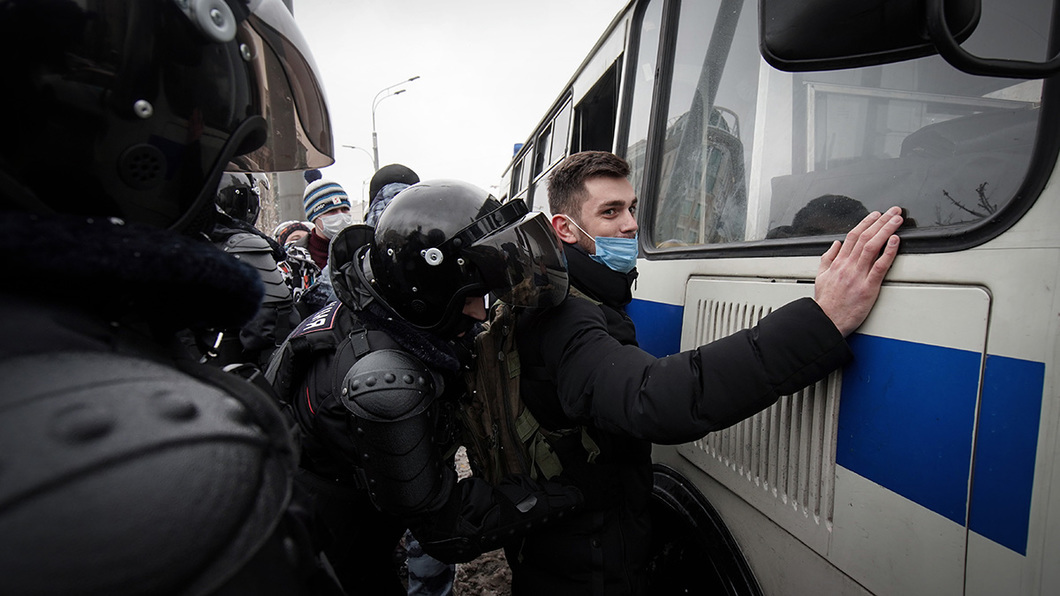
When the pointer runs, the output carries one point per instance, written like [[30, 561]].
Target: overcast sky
[[489, 69]]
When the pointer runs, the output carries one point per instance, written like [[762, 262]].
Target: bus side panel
[[781, 563], [899, 423]]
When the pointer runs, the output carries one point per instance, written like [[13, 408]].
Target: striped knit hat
[[322, 196]]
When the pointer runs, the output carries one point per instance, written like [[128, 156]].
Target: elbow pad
[[390, 398]]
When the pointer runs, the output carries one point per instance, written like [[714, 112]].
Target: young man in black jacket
[[582, 367]]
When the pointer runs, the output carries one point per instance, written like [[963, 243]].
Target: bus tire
[[693, 551]]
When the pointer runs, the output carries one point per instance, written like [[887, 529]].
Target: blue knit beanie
[[322, 196]]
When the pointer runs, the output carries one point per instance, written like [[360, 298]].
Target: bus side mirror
[[833, 34]]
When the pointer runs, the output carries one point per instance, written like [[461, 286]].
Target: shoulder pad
[[276, 288], [246, 242], [255, 251], [388, 385], [138, 436]]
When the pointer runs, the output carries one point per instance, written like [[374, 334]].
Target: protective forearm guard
[[389, 396]]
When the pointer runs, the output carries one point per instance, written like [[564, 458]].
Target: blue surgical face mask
[[619, 254]]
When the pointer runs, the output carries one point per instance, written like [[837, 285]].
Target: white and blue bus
[[759, 132]]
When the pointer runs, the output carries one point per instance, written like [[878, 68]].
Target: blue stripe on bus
[[906, 422], [1005, 450], [658, 326]]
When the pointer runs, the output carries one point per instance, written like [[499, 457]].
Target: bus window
[[560, 133], [544, 146], [524, 175], [642, 81], [594, 116], [541, 196], [702, 189], [521, 175], [749, 153], [517, 171]]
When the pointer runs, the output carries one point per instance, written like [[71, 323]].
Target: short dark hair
[[566, 185]]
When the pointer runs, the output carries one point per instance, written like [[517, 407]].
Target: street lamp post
[[385, 93]]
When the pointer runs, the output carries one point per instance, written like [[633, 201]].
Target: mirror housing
[[834, 34]]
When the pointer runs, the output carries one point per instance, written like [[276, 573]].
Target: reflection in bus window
[[702, 192], [643, 82], [752, 153], [947, 159]]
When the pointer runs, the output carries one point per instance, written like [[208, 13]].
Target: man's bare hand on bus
[[849, 277]]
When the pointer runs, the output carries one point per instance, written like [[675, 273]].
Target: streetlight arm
[[375, 102], [385, 89], [366, 152]]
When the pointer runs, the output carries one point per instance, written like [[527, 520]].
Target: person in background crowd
[[328, 208], [386, 183], [374, 380], [129, 468], [590, 374], [290, 232], [298, 266]]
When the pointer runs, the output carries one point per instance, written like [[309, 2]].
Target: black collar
[[123, 270]]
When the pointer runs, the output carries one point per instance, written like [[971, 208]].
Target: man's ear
[[564, 229]]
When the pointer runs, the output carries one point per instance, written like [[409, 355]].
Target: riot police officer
[[126, 467], [239, 203], [374, 380]]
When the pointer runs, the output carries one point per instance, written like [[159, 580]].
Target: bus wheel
[[692, 550]]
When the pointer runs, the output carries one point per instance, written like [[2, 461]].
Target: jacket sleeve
[[679, 398]]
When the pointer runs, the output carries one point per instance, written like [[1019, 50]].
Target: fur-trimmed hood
[[119, 269]]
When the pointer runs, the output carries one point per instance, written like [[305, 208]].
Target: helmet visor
[[291, 95], [522, 263]]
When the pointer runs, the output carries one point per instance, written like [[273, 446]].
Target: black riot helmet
[[441, 241], [143, 103], [239, 195]]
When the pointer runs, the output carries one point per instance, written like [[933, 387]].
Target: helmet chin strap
[[199, 213]]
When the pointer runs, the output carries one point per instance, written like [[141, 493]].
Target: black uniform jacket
[[582, 366]]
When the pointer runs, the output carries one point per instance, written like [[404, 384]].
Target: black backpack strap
[[358, 339]]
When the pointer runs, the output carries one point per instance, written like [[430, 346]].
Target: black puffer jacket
[[581, 366]]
